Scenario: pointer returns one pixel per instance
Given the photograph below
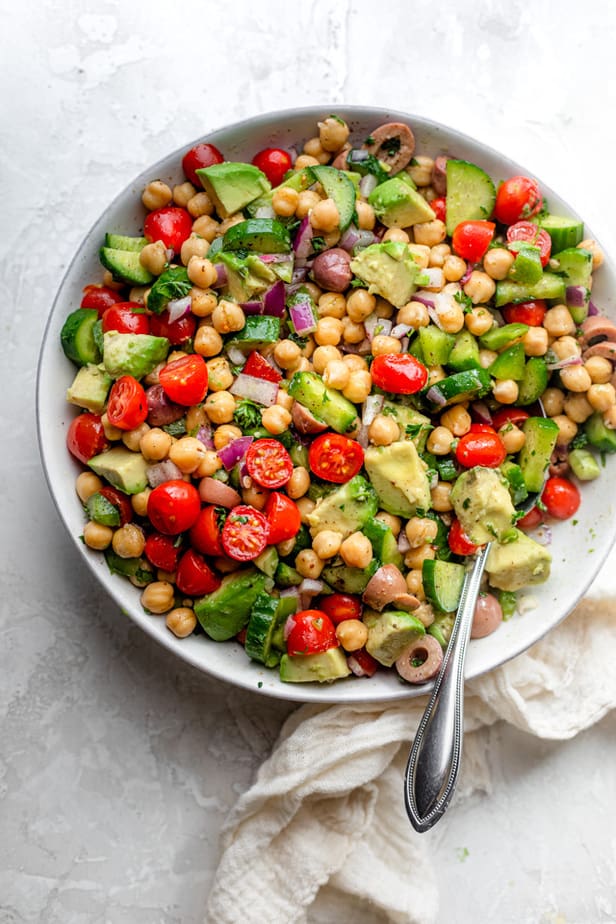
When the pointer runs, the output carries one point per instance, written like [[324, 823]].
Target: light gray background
[[117, 762]]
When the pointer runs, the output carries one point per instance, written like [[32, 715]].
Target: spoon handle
[[434, 761]]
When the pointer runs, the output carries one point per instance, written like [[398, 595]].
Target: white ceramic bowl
[[579, 546]]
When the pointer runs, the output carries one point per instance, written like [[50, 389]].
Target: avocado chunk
[[383, 541], [260, 235], [247, 277], [231, 186], [397, 205], [125, 470], [89, 389], [389, 633], [514, 565], [483, 505], [226, 611], [132, 354], [348, 580], [322, 666], [414, 425], [388, 269], [345, 509], [398, 477]]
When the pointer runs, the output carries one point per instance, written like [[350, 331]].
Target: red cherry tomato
[[184, 380], [311, 631], [245, 533], [458, 541], [341, 606], [510, 414], [362, 664], [399, 373], [173, 507], [471, 239], [269, 463], [162, 552], [206, 532], [334, 457], [260, 368], [533, 518], [176, 332], [100, 298], [439, 207], [194, 576], [531, 313], [283, 518], [481, 428], [529, 233], [127, 406], [274, 163], [171, 225], [126, 318], [120, 502], [86, 437], [517, 198], [561, 498], [202, 155], [480, 449]]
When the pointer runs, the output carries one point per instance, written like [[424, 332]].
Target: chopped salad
[[317, 383]]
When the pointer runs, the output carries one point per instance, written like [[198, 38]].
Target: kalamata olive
[[162, 411], [392, 143], [384, 586], [427, 654], [488, 616], [439, 174], [305, 422], [331, 270]]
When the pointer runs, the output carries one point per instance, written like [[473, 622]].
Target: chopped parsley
[[464, 300]]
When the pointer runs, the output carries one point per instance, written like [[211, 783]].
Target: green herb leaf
[[170, 285]]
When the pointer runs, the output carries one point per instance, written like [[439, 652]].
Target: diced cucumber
[[508, 602], [124, 242], [267, 561], [441, 628], [534, 458], [101, 510], [599, 435], [510, 363], [436, 345], [446, 468], [77, 337], [470, 193], [565, 232], [137, 568], [339, 187], [286, 576], [584, 465], [348, 580], [534, 381], [550, 287], [472, 383], [325, 403], [465, 352], [267, 615], [526, 268], [259, 330], [517, 486], [576, 265], [125, 266], [443, 582], [498, 337], [260, 235], [383, 541]]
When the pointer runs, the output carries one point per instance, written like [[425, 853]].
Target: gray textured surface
[[118, 763]]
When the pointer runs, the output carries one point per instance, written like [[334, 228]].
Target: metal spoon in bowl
[[434, 762]]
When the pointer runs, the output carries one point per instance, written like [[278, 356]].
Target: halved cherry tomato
[[531, 313], [202, 155], [269, 463], [194, 576], [311, 631], [245, 533], [283, 517], [173, 507], [334, 457], [510, 414], [533, 518], [481, 428], [86, 437], [471, 239], [127, 406], [439, 207], [162, 551], [206, 531], [274, 162], [184, 380], [176, 332], [260, 368], [517, 198], [120, 502], [528, 233], [561, 498], [341, 606], [399, 373], [362, 664], [480, 449], [458, 541], [100, 298], [171, 225], [126, 318]]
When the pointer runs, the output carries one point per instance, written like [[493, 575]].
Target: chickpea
[[414, 583], [601, 397], [435, 374], [353, 361], [87, 484], [486, 358], [479, 287], [356, 551], [111, 283], [156, 195], [132, 438], [497, 262], [451, 319], [352, 634], [383, 430], [365, 215], [139, 502], [206, 227], [430, 233], [439, 441], [314, 148], [306, 202], [513, 438], [337, 374], [535, 341], [415, 558], [565, 347], [139, 294], [577, 407], [153, 258], [309, 564], [457, 420], [328, 332], [609, 418], [158, 597], [438, 254], [285, 201], [193, 246], [225, 434], [325, 215], [202, 302], [359, 387], [128, 541], [383, 345], [287, 354], [298, 483], [284, 399], [187, 453], [397, 235], [183, 193], [352, 332], [208, 341], [96, 536], [420, 170], [333, 133], [575, 378], [454, 268], [313, 290], [275, 419], [323, 355], [360, 304], [331, 305], [155, 444], [567, 429], [389, 519], [327, 543], [181, 621], [597, 253], [228, 317], [506, 391], [599, 369], [558, 321], [219, 407], [210, 463], [305, 507], [415, 314], [420, 530], [200, 204], [256, 496], [441, 500], [202, 272], [479, 321], [304, 365], [553, 400]]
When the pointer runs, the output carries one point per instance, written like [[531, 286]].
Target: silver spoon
[[434, 762]]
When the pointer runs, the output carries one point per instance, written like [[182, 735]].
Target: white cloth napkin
[[327, 804]]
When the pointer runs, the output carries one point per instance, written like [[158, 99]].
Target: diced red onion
[[374, 325], [206, 436], [355, 667], [372, 407], [310, 587], [404, 343], [274, 299], [178, 307], [274, 257], [258, 390], [349, 238], [592, 310], [367, 184], [302, 243], [213, 491], [236, 356], [576, 296], [290, 622], [564, 363], [543, 534], [403, 542], [364, 347], [161, 472], [298, 276], [231, 454], [424, 298], [480, 412], [435, 275], [221, 274], [252, 307], [265, 211], [170, 254], [362, 437], [303, 318], [400, 330], [469, 269], [436, 396]]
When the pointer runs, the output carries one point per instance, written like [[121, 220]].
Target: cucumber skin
[[443, 582], [599, 435], [125, 266], [564, 232], [461, 206], [550, 287], [325, 403], [534, 381], [77, 337], [541, 434]]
